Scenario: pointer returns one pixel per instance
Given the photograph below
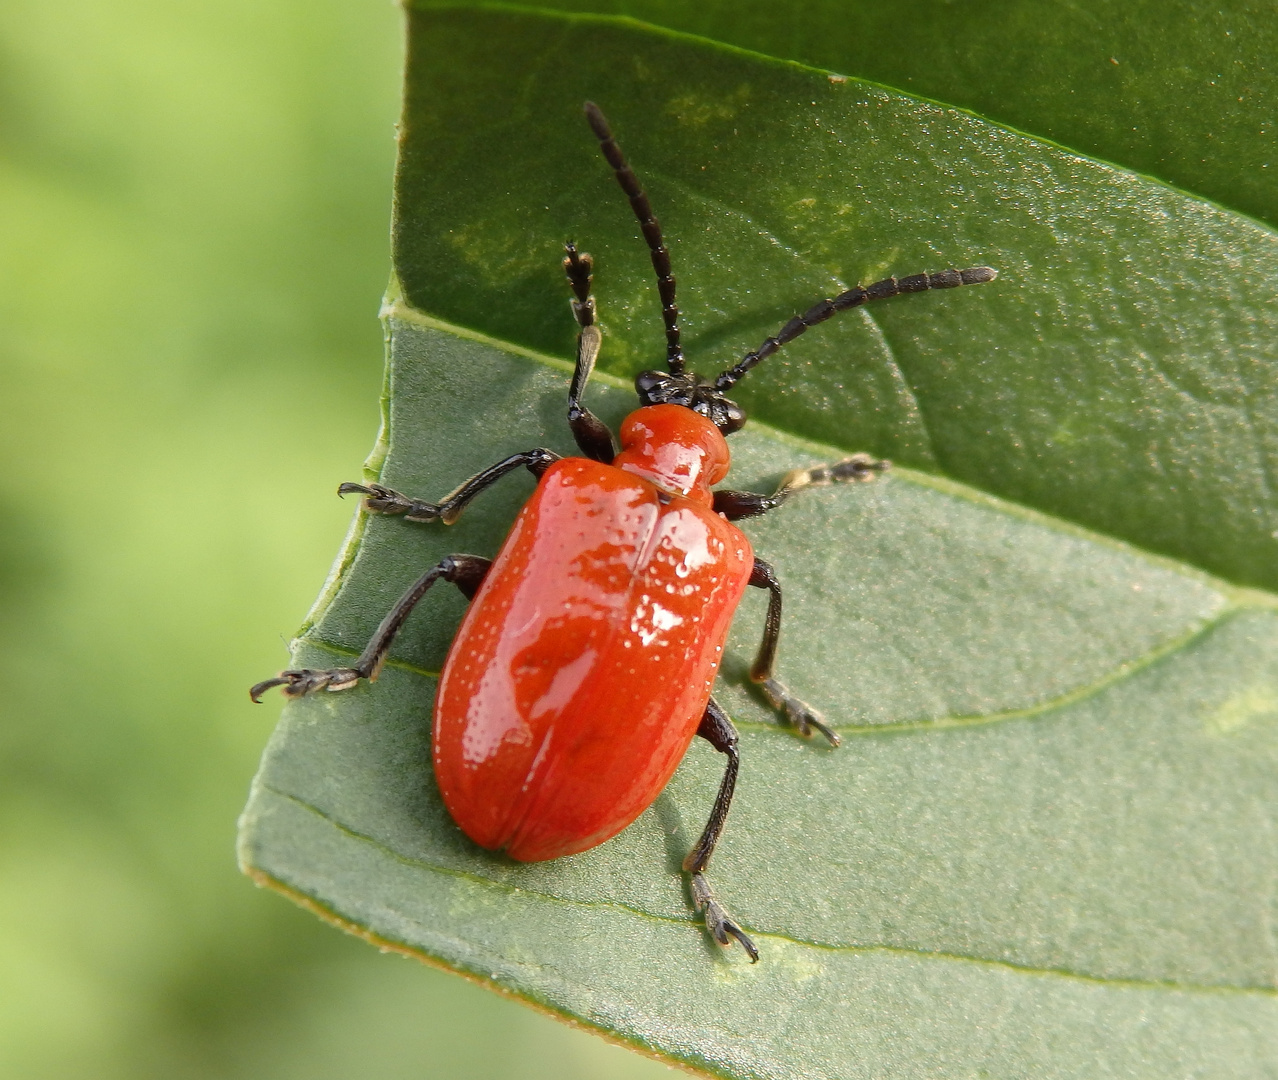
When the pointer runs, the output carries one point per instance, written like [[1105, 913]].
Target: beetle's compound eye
[[654, 387], [728, 416]]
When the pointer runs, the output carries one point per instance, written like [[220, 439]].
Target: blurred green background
[[194, 205]]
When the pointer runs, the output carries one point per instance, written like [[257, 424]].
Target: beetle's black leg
[[855, 297], [718, 731], [591, 434], [799, 712], [651, 229], [735, 505], [579, 267], [465, 571], [382, 500]]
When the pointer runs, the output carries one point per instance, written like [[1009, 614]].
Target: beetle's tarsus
[[722, 926], [803, 716], [384, 500], [857, 469], [303, 681], [751, 949]]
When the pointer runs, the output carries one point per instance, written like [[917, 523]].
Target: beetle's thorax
[[680, 451]]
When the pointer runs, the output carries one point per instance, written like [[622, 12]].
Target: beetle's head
[[692, 392]]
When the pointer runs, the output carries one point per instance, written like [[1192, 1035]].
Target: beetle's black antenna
[[818, 313], [651, 232]]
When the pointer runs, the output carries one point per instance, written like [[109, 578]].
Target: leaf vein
[[1121, 673], [929, 954]]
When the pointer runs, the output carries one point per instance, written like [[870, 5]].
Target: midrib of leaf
[[1079, 694], [1241, 596], [899, 428]]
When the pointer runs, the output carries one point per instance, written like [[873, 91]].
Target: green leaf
[[1046, 847], [1116, 375]]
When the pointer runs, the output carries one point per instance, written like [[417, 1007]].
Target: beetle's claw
[[384, 500], [806, 719], [304, 681], [256, 692], [722, 926], [726, 926], [803, 716]]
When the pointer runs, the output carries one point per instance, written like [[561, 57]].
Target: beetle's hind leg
[[465, 571], [802, 715], [718, 731]]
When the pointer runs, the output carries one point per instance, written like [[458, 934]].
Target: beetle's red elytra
[[586, 662], [582, 669]]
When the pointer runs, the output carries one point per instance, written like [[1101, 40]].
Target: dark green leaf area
[[1118, 374], [1173, 88]]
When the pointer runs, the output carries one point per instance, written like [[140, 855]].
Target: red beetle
[[585, 663]]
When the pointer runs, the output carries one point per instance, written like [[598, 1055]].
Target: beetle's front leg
[[735, 505], [467, 572], [718, 731], [802, 715], [590, 433], [384, 500]]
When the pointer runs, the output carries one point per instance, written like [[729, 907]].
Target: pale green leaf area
[[1054, 791], [1046, 845]]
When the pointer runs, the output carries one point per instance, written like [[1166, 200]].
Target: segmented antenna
[[818, 313], [651, 232]]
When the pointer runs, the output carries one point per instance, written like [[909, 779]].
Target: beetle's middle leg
[[383, 500], [467, 572], [718, 731], [802, 715]]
